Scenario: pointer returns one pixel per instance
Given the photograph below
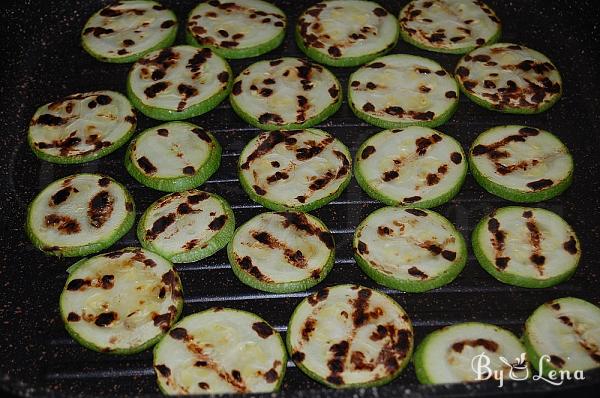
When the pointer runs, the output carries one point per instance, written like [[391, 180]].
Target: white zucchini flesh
[[171, 150], [236, 25], [180, 222], [295, 168], [506, 75], [347, 28], [81, 124], [283, 247], [527, 242], [349, 335], [220, 350], [449, 24], [411, 165], [177, 78], [128, 28], [448, 354], [121, 300], [79, 210], [567, 330], [284, 91], [408, 244], [521, 158], [403, 88]]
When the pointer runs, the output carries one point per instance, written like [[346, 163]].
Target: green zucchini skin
[[519, 280], [88, 248], [214, 244], [413, 286], [182, 182]]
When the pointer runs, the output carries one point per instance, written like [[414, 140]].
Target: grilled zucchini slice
[[447, 355], [563, 334], [285, 93], [178, 82], [346, 32], [527, 247], [236, 29], [415, 166], [121, 302], [520, 163], [187, 226], [409, 249], [220, 351], [295, 170], [173, 157], [282, 252], [509, 78], [79, 215], [449, 26], [81, 127], [126, 31], [400, 90], [350, 336]]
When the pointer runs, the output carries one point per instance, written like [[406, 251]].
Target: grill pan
[[42, 61]]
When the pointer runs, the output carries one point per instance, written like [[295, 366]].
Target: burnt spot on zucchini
[[456, 157], [540, 184], [308, 328], [154, 89], [159, 226], [218, 222], [487, 344], [106, 318], [100, 208], [557, 361], [62, 195], [246, 264], [317, 297], [146, 165], [416, 272], [73, 317], [570, 246], [163, 370], [65, 225], [416, 212], [262, 329]]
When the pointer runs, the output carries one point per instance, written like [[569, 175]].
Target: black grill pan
[[42, 61]]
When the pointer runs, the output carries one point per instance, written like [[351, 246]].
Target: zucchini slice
[[121, 302], [285, 93], [187, 226], [350, 336], [449, 26], [178, 82], [218, 351], [527, 247], [409, 249], [400, 90], [282, 252], [173, 157], [346, 32], [415, 166], [298, 169], [126, 31], [509, 78], [79, 215], [236, 29], [81, 127], [563, 334], [522, 164], [447, 355]]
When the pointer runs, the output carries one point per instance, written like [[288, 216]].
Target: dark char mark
[[100, 208], [262, 329], [146, 165], [218, 222]]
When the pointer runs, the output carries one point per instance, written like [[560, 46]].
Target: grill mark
[[497, 240], [159, 226], [202, 134], [557, 361], [293, 257], [300, 222], [414, 271], [423, 143], [570, 245], [308, 328], [146, 165], [368, 151], [100, 208], [416, 212], [315, 298], [540, 184], [154, 89], [489, 345], [61, 195], [179, 334], [456, 157], [262, 329], [411, 199], [270, 118], [534, 239], [73, 317], [312, 149], [218, 222], [246, 264], [106, 318]]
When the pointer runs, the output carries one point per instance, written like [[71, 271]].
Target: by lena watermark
[[518, 370]]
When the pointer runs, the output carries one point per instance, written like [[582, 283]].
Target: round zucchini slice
[[178, 82], [220, 351], [350, 336], [173, 157], [449, 26], [563, 334], [452, 354], [295, 170], [527, 247], [126, 31], [236, 29], [346, 32], [285, 93], [79, 215], [282, 252], [121, 302], [409, 249], [400, 90], [509, 78], [187, 226], [81, 127], [522, 164], [415, 166]]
